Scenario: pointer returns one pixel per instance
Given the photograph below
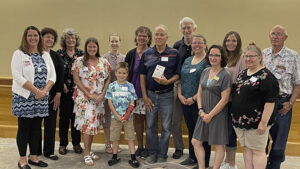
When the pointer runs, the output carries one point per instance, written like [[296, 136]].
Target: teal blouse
[[190, 76]]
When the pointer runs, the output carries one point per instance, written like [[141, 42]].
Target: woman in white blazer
[[33, 76]]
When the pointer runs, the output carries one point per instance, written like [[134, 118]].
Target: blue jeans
[[232, 143], [163, 103], [190, 114], [279, 133]]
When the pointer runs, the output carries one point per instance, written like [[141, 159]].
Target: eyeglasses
[[214, 55], [70, 38], [278, 34], [250, 56], [198, 43], [142, 36]]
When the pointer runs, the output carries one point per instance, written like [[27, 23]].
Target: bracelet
[[291, 103], [201, 109], [193, 99]]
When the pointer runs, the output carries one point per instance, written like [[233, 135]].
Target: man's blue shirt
[[151, 57]]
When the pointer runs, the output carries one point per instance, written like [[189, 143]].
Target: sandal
[[88, 161], [113, 161], [108, 149], [94, 156], [134, 163]]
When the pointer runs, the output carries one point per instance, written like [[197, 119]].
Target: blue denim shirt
[[151, 58]]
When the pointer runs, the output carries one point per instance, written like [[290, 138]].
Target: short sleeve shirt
[[169, 59], [249, 95], [190, 76], [121, 95], [285, 66], [68, 62], [184, 50], [113, 61]]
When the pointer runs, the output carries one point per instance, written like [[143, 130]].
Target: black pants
[[29, 132], [49, 132], [65, 116], [190, 114]]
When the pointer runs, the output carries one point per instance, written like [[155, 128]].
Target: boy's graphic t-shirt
[[121, 95]]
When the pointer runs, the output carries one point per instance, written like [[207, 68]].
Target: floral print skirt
[[89, 117]]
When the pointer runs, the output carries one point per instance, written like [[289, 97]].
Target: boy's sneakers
[[134, 163], [144, 154], [138, 152]]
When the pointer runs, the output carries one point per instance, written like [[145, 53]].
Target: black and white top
[[249, 95]]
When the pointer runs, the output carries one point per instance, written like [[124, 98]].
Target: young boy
[[121, 95]]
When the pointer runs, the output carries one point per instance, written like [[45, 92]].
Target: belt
[[161, 91], [284, 96]]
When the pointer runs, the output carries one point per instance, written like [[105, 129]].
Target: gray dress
[[215, 132]]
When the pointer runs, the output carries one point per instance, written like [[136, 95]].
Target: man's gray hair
[[187, 20]]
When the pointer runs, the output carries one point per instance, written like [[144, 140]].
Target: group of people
[[222, 93]]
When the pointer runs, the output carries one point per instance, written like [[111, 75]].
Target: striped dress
[[31, 107]]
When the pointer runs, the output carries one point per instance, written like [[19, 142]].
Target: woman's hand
[[206, 118], [189, 101], [99, 98], [65, 89], [56, 101], [40, 94], [182, 99], [262, 127]]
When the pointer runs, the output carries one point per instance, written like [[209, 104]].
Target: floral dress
[[89, 115]]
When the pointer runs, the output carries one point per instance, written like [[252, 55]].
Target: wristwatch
[[193, 99]]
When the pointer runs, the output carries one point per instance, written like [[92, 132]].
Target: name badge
[[85, 70], [164, 59], [26, 62], [192, 70], [253, 79], [124, 88], [216, 78], [277, 75]]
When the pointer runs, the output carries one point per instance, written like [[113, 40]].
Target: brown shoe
[[77, 149], [62, 150]]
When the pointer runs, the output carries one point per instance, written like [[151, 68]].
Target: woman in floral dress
[[91, 75]]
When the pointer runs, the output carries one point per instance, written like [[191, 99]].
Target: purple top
[[136, 76]]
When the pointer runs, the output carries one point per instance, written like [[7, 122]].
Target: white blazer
[[23, 70]]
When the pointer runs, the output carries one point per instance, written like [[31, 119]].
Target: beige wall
[[253, 19]]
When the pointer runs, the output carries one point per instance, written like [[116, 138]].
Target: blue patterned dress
[[31, 107]]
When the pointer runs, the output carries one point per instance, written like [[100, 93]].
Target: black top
[[184, 50], [59, 69], [169, 59], [68, 62], [130, 59], [249, 95]]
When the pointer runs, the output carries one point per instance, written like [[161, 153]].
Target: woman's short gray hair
[[71, 32], [187, 20]]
